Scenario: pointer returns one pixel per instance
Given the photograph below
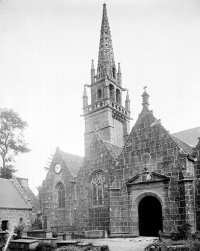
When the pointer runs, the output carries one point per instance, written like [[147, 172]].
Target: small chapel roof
[[11, 197]]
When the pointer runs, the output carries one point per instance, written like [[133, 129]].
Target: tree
[[11, 140], [48, 163]]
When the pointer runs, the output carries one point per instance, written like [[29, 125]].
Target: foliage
[[44, 247], [89, 247], [11, 140], [48, 163], [182, 232], [7, 172], [183, 245], [19, 230]]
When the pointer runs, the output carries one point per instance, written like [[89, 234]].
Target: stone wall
[[13, 216], [197, 186], [92, 216], [149, 137], [59, 217]]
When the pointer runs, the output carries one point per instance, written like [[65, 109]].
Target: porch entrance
[[150, 216]]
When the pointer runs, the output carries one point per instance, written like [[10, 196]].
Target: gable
[[100, 149], [73, 162], [148, 135], [70, 162], [147, 177]]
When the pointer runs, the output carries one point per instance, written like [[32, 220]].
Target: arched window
[[118, 96], [99, 94], [112, 92], [114, 72], [98, 182], [61, 195]]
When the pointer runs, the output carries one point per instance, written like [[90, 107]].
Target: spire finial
[[92, 66], [85, 97], [145, 98], [85, 91], [127, 95]]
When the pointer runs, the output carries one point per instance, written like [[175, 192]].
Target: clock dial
[[58, 168]]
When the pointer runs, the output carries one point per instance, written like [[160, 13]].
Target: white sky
[[46, 47]]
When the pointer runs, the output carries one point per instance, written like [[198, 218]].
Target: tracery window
[[98, 183], [61, 195]]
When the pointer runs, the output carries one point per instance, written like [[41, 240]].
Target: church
[[131, 182]]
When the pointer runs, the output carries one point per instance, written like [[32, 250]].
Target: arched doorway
[[150, 216]]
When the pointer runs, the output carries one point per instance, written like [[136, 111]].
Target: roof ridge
[[182, 141], [14, 180], [72, 154], [187, 129], [112, 144]]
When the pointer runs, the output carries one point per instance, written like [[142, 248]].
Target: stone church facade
[[129, 183]]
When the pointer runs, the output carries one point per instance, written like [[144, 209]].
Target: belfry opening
[[150, 216]]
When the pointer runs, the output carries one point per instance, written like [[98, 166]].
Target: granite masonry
[[129, 183]]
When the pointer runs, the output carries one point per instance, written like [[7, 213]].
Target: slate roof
[[73, 162], [190, 136], [30, 195], [183, 145], [114, 150], [11, 197]]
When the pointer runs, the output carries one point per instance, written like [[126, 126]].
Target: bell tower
[[106, 113]]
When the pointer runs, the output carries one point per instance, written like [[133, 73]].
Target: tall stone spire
[[106, 62]]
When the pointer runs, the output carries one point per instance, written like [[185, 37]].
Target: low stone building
[[129, 183], [13, 204]]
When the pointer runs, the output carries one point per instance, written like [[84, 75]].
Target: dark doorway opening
[[4, 225], [150, 216]]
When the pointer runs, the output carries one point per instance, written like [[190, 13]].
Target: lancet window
[[61, 195], [98, 183]]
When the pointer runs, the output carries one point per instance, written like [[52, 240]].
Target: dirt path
[[124, 244]]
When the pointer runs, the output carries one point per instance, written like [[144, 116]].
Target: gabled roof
[[113, 149], [29, 193], [11, 197], [73, 162], [183, 145], [190, 136]]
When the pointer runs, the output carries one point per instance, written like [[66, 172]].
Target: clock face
[[58, 168]]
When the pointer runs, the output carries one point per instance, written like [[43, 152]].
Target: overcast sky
[[46, 48]]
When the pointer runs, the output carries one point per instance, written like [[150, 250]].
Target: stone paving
[[124, 244]]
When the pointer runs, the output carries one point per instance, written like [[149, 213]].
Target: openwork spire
[[106, 62]]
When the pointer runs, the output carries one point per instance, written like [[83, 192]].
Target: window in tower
[[112, 92], [118, 96], [99, 93]]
